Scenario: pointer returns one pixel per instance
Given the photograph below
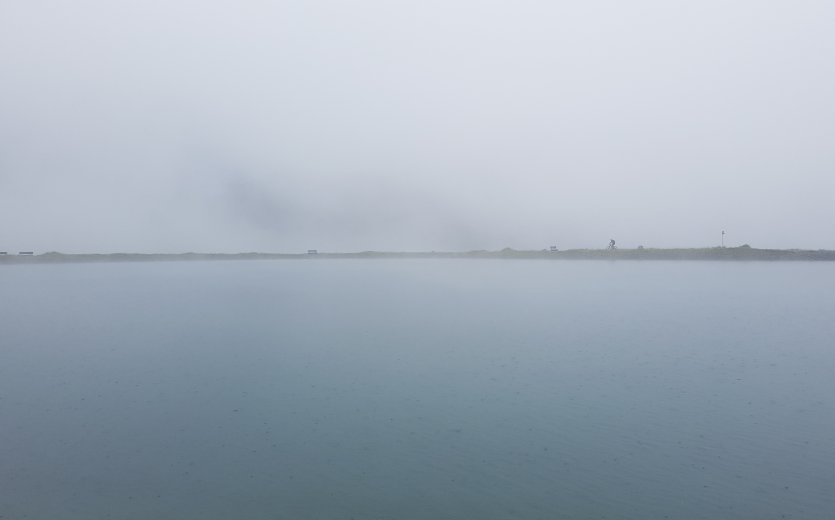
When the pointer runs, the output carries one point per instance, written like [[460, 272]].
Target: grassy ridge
[[743, 253]]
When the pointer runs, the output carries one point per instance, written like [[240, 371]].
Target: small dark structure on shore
[[313, 251], [26, 253]]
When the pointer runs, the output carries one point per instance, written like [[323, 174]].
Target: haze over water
[[210, 126], [417, 389]]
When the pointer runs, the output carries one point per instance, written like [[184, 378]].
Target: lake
[[417, 389]]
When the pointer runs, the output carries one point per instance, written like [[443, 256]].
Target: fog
[[171, 126]]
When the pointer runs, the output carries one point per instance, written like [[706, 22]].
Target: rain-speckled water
[[417, 389]]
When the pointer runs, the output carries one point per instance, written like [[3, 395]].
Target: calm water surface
[[426, 389]]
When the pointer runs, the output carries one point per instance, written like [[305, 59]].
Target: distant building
[[312, 252], [26, 253], [554, 249], [3, 253]]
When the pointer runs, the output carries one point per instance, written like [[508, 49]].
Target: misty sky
[[185, 125]]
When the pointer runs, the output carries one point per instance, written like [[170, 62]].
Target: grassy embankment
[[743, 253]]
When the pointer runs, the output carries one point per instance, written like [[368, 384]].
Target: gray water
[[426, 389]]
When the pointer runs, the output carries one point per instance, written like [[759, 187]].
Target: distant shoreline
[[743, 253]]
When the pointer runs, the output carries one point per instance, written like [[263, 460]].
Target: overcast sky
[[186, 125]]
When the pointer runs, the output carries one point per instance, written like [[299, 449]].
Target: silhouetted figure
[[612, 245]]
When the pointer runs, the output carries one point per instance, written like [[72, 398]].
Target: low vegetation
[[743, 253]]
